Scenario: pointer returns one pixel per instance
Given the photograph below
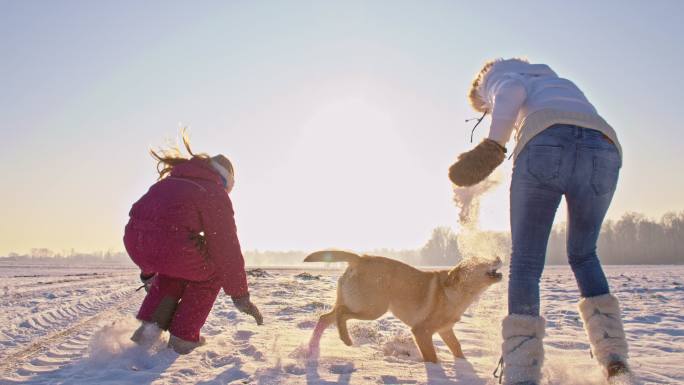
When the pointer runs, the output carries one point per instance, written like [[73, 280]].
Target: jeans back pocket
[[606, 170], [544, 161]]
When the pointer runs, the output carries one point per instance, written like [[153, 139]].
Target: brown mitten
[[474, 166], [246, 306]]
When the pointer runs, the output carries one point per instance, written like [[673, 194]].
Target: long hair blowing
[[168, 158]]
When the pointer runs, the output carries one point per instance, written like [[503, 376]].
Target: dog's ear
[[454, 276]]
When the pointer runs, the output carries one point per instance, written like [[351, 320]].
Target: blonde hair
[[168, 158], [474, 94]]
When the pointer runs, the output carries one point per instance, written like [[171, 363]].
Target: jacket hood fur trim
[[479, 92]]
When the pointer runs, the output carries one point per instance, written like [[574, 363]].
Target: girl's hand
[[246, 306], [146, 280]]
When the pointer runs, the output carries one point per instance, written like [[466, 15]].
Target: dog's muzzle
[[494, 274]]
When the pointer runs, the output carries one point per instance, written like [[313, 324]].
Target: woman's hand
[[474, 166], [246, 306]]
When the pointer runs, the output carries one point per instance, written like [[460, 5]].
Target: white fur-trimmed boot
[[523, 350], [603, 324]]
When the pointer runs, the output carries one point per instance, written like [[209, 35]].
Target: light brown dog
[[427, 301]]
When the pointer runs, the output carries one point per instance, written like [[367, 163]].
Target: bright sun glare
[[353, 164]]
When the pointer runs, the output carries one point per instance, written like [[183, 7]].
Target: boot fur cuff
[[603, 324], [523, 350], [520, 324]]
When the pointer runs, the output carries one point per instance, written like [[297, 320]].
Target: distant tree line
[[47, 256], [633, 239], [441, 249], [446, 248]]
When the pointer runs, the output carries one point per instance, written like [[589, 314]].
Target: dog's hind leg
[[323, 322], [450, 339], [343, 315]]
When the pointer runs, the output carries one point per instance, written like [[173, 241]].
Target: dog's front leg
[[450, 339], [423, 336]]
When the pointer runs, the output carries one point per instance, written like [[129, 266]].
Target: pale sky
[[341, 118]]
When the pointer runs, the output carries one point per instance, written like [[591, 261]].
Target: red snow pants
[[178, 305]]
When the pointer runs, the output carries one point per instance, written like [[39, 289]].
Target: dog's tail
[[333, 256]]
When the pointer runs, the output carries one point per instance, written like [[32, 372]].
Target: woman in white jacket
[[563, 148]]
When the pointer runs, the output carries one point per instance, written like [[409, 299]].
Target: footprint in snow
[[310, 324], [243, 335], [294, 369], [342, 368], [252, 351]]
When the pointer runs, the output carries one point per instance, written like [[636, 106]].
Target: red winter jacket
[[163, 233]]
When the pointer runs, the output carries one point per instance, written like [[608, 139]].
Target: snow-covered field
[[71, 326]]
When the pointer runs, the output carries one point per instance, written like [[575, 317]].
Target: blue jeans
[[563, 160]]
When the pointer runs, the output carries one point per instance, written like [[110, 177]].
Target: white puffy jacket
[[528, 98]]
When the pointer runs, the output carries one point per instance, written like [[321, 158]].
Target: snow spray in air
[[474, 242], [471, 240]]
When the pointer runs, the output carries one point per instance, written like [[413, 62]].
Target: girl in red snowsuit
[[182, 235]]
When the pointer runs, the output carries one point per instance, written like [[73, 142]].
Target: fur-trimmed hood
[[480, 93]]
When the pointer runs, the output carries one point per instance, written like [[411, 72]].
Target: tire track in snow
[[37, 321], [59, 348], [29, 290], [32, 317]]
